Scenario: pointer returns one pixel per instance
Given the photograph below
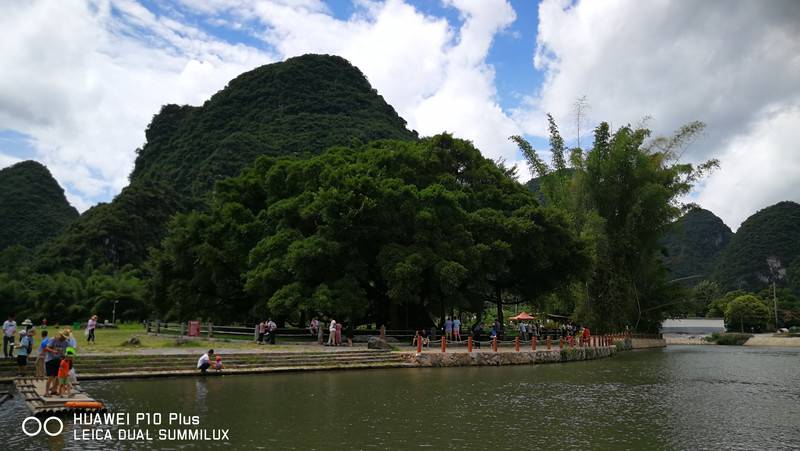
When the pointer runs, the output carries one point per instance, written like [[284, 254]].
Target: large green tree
[[391, 233], [746, 313], [621, 195]]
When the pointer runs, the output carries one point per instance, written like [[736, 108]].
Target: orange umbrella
[[522, 317]]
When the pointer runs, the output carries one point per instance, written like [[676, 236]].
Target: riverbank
[[182, 362], [156, 358], [765, 340], [772, 340]]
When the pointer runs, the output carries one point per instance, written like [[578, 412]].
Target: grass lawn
[[112, 340]]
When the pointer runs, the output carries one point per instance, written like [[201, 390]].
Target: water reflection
[[679, 398]]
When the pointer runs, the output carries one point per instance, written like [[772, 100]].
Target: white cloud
[[726, 63], [436, 76], [84, 88], [7, 160], [761, 167]]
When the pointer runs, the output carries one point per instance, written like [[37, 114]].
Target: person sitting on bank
[[205, 361], [422, 335]]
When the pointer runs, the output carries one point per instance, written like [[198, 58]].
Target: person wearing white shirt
[[9, 331], [204, 362], [332, 330]]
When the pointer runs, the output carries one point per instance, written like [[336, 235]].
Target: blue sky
[[82, 79]]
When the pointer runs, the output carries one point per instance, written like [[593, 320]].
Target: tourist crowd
[[54, 357]]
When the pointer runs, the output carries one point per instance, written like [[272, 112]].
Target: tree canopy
[[621, 196], [391, 232], [746, 313]]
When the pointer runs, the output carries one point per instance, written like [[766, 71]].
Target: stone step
[[87, 359], [242, 360], [226, 357], [253, 370], [145, 367]]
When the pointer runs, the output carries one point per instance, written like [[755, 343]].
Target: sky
[[81, 79]]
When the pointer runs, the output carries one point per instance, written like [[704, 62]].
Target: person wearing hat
[[24, 350], [90, 326], [54, 353]]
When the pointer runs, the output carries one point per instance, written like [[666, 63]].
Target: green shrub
[[731, 339]]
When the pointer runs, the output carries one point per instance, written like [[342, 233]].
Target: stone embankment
[[138, 365], [488, 358]]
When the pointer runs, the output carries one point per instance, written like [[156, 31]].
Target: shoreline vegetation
[[159, 356]]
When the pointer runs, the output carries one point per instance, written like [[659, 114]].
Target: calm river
[[683, 397]]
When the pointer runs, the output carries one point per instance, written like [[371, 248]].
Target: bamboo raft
[[33, 391]]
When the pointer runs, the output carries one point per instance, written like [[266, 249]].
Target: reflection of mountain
[[303, 105], [693, 244], [32, 205]]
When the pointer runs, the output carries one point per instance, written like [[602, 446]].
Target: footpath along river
[[681, 397]]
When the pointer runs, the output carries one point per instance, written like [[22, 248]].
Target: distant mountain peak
[[300, 106], [33, 207], [693, 244]]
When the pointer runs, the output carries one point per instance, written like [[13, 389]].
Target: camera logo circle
[[41, 426]]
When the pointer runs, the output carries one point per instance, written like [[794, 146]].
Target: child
[[218, 363], [64, 385]]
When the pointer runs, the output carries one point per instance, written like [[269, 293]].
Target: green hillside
[[301, 106], [32, 205], [693, 244], [771, 232]]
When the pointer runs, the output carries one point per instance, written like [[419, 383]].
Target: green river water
[[682, 397]]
